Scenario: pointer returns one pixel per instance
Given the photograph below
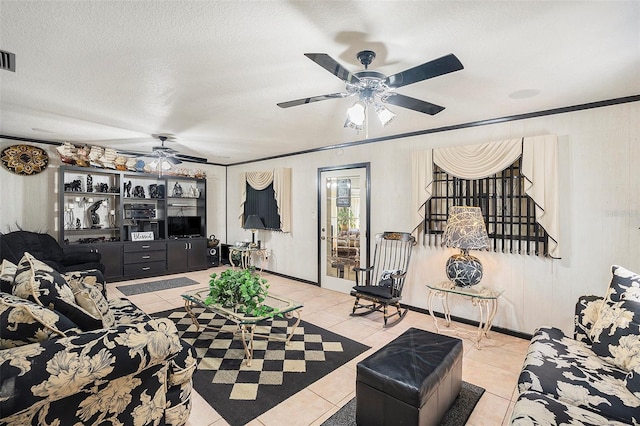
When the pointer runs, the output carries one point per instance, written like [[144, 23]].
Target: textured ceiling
[[114, 73]]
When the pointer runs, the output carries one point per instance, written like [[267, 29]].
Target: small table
[[244, 253], [246, 323], [484, 298]]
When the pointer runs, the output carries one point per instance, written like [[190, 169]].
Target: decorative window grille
[[509, 213]]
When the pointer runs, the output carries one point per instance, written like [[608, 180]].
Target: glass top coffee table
[[246, 323]]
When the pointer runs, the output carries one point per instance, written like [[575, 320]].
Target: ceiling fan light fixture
[[160, 165], [356, 116], [385, 115]]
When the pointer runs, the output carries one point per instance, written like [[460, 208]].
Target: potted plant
[[242, 290], [346, 219]]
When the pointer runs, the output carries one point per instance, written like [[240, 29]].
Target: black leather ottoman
[[412, 380]]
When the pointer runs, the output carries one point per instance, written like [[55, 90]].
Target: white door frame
[[367, 188]]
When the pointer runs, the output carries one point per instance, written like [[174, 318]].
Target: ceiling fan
[[375, 88], [162, 152]]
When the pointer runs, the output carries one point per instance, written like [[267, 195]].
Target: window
[[508, 212], [263, 204]]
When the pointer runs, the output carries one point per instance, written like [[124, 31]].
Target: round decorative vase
[[464, 270]]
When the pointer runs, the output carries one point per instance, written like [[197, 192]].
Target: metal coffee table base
[[247, 331]]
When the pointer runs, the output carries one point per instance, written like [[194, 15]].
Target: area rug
[[130, 290], [240, 393], [457, 415]]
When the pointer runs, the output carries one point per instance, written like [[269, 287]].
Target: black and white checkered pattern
[[222, 352]]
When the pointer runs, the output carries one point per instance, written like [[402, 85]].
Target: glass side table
[[243, 254], [486, 299]]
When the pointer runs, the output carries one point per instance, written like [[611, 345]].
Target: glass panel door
[[343, 225]]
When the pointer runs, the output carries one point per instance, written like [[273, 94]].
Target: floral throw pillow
[[23, 322], [89, 297], [7, 273], [38, 282], [616, 332]]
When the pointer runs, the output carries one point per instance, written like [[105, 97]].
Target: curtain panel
[[281, 179], [539, 167]]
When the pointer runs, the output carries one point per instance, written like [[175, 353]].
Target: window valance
[[281, 179], [539, 166]]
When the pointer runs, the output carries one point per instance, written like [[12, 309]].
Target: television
[[184, 226]]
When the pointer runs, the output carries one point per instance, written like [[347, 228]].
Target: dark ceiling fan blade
[[440, 66], [330, 64], [413, 103], [190, 158], [134, 153], [173, 160], [312, 99]]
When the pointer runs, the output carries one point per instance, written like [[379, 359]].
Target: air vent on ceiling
[[7, 61]]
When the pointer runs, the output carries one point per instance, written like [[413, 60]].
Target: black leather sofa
[[44, 247]]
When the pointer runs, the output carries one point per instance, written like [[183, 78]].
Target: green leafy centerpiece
[[242, 290]]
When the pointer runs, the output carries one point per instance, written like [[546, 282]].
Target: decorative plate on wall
[[24, 159]]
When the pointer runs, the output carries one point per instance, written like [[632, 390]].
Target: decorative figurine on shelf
[[153, 191], [127, 188], [89, 183], [177, 190], [138, 192], [78, 223], [68, 217], [74, 186], [161, 191], [112, 219], [93, 214]]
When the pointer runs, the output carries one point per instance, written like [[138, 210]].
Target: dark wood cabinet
[[101, 210], [111, 253], [145, 258], [187, 254], [111, 259]]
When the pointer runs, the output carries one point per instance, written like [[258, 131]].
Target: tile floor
[[495, 366]]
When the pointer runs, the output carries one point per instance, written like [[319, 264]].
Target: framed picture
[[343, 198]]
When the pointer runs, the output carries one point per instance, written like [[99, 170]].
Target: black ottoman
[[412, 380]]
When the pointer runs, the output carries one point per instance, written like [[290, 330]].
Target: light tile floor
[[495, 366]]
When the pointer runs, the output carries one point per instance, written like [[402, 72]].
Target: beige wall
[[600, 213]]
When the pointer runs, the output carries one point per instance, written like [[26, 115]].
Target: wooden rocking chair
[[381, 283]]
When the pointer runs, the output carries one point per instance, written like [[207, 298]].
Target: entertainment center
[[142, 224]]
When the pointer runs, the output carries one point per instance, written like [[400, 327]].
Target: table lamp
[[465, 230], [254, 223]]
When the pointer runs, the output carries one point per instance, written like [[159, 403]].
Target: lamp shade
[[465, 229], [253, 222]]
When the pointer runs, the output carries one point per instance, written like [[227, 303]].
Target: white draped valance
[[281, 179], [539, 166]]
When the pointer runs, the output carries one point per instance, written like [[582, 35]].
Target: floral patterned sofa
[[593, 378], [70, 357]]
